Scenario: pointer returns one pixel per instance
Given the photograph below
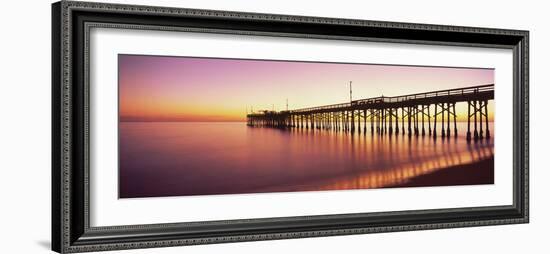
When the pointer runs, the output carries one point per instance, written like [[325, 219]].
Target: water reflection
[[167, 159], [392, 161]]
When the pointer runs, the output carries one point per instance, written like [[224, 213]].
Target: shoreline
[[480, 172]]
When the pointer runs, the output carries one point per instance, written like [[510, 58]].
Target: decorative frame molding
[[71, 22]]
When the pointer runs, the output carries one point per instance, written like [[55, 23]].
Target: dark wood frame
[[71, 22]]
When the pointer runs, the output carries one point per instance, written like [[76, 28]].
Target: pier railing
[[466, 91]]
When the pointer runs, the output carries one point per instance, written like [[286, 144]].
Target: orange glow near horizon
[[160, 88]]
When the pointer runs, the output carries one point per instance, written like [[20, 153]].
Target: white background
[[25, 130], [107, 210]]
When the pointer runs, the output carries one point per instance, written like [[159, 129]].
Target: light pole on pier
[[350, 98], [287, 104]]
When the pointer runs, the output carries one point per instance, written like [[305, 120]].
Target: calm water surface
[[175, 159]]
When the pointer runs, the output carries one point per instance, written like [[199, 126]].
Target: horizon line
[[182, 121], [179, 121]]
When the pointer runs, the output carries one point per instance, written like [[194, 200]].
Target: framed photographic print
[[181, 126]]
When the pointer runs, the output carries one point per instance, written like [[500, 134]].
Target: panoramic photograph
[[210, 126]]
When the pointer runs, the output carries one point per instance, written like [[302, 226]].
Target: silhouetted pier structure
[[407, 114]]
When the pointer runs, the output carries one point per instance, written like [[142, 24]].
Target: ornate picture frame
[[71, 24]]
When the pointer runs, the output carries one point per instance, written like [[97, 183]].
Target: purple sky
[[156, 88]]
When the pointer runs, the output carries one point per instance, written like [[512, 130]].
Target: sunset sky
[[161, 88]]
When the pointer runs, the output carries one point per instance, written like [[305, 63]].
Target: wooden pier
[[430, 113]]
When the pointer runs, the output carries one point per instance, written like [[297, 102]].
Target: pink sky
[[160, 88]]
